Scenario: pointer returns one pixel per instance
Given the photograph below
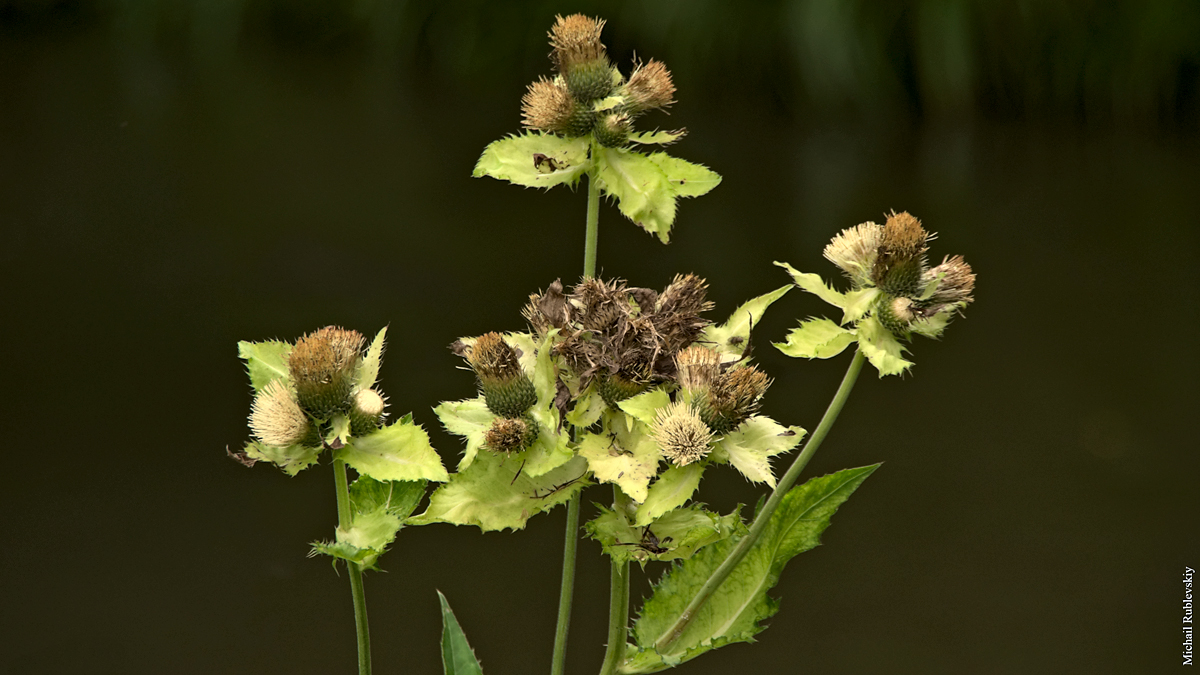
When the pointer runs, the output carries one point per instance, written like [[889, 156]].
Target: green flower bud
[[612, 130], [681, 434], [507, 390], [366, 414], [615, 388], [322, 367], [581, 58], [276, 418]]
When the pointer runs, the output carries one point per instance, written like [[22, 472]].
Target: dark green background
[[176, 176]]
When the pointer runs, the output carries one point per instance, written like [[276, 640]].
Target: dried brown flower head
[[510, 435], [650, 87], [506, 388], [901, 257]]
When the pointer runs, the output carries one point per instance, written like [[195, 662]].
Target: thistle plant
[[607, 382]]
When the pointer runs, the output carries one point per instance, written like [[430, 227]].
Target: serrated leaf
[[292, 460], [551, 449], [528, 348], [816, 339], [735, 609], [368, 372], [688, 179], [657, 137], [749, 448], [457, 656], [643, 193], [626, 456], [266, 361], [858, 303], [933, 326], [881, 348], [514, 159], [492, 495], [377, 513], [731, 337], [400, 451], [672, 489], [814, 284], [470, 419], [678, 533], [645, 406], [588, 408], [339, 431]]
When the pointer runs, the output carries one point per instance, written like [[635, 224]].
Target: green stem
[[760, 522], [618, 604], [566, 593], [593, 225], [355, 570]]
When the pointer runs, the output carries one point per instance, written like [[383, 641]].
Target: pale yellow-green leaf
[[626, 455], [881, 348], [688, 179], [514, 159], [749, 448], [858, 303], [292, 460], [816, 339], [368, 372], [470, 419], [400, 451], [657, 137], [645, 406], [672, 489], [643, 193], [492, 495], [731, 338], [814, 284]]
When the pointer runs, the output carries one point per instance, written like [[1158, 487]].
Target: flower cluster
[[895, 294], [588, 94], [656, 391]]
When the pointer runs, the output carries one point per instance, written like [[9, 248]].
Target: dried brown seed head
[[957, 284], [492, 358], [547, 106], [650, 87], [697, 367], [734, 396], [576, 40]]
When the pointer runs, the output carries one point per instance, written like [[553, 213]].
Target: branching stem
[[760, 522], [355, 572]]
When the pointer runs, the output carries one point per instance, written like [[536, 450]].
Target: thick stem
[[355, 572], [618, 604], [743, 547]]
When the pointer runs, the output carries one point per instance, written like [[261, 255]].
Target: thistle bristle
[[510, 435], [681, 434], [650, 86], [492, 358], [734, 396], [901, 259], [697, 367], [854, 251], [276, 418], [957, 284], [576, 39], [322, 366], [547, 106]]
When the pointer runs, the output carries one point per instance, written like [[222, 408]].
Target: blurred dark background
[[176, 176]]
